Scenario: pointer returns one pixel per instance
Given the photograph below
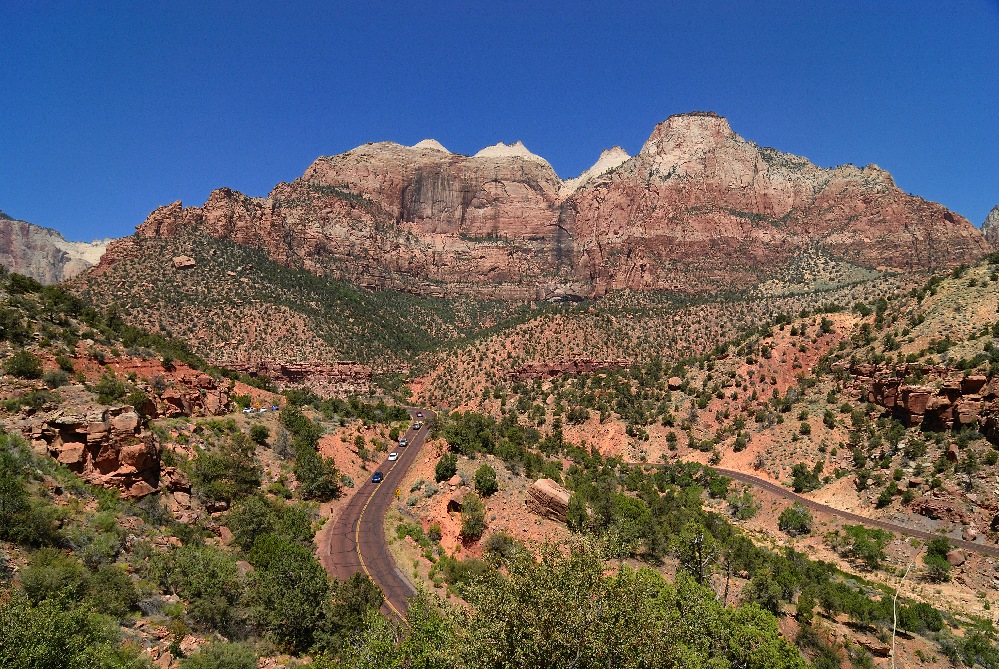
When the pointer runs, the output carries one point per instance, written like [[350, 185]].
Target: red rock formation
[[698, 209]]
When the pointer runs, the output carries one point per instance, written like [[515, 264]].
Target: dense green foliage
[[563, 610]]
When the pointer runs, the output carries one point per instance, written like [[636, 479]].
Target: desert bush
[[473, 517], [221, 655], [795, 520], [55, 378], [446, 467], [485, 481], [23, 365]]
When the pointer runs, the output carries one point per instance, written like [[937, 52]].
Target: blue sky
[[110, 109]]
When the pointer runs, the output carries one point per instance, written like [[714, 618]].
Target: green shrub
[[23, 365], [47, 636], [795, 520], [318, 477], [473, 516], [110, 590], [65, 364], [221, 655], [110, 389], [485, 481], [207, 578], [446, 467], [259, 434], [55, 378], [52, 574]]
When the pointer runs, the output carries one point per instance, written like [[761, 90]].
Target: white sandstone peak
[[432, 144], [607, 161], [501, 150]]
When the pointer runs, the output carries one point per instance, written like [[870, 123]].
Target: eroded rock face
[[990, 227], [698, 209], [105, 447], [44, 254]]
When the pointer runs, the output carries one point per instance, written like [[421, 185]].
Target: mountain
[[698, 210], [990, 227], [44, 254]]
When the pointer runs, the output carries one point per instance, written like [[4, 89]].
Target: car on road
[[403, 443], [393, 456], [377, 477], [417, 425], [419, 414]]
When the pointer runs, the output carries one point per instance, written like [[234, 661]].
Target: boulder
[[956, 557], [674, 383], [547, 498], [184, 262]]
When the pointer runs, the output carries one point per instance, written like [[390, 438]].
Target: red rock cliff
[[698, 209]]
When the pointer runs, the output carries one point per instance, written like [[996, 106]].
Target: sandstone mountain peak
[[990, 227], [690, 129], [516, 149], [44, 254], [698, 210], [430, 144], [608, 160]]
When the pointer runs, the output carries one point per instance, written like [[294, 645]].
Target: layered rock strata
[[699, 209]]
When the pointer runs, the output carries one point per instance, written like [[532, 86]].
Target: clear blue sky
[[110, 109]]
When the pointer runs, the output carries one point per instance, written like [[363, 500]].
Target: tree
[[577, 516], [208, 579], [259, 434], [795, 520], [318, 477], [867, 544], [473, 516], [485, 481], [742, 505], [47, 636], [446, 467], [696, 550], [804, 479], [289, 591], [23, 365], [937, 566]]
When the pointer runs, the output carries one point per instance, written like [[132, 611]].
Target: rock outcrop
[[106, 447], [990, 227], [943, 398], [699, 209], [547, 498], [44, 254]]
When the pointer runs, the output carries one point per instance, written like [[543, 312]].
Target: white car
[[393, 456]]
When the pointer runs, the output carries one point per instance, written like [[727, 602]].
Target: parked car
[[377, 477]]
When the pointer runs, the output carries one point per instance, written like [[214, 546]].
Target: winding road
[[770, 486], [357, 540]]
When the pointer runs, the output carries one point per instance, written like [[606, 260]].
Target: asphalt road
[[770, 486], [357, 540]]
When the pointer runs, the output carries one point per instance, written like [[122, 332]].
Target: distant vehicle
[[419, 414], [377, 477], [247, 410], [417, 425], [393, 456], [404, 442]]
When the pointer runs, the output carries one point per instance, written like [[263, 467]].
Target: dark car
[[377, 477]]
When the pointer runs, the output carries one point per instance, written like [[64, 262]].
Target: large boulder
[[547, 498]]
